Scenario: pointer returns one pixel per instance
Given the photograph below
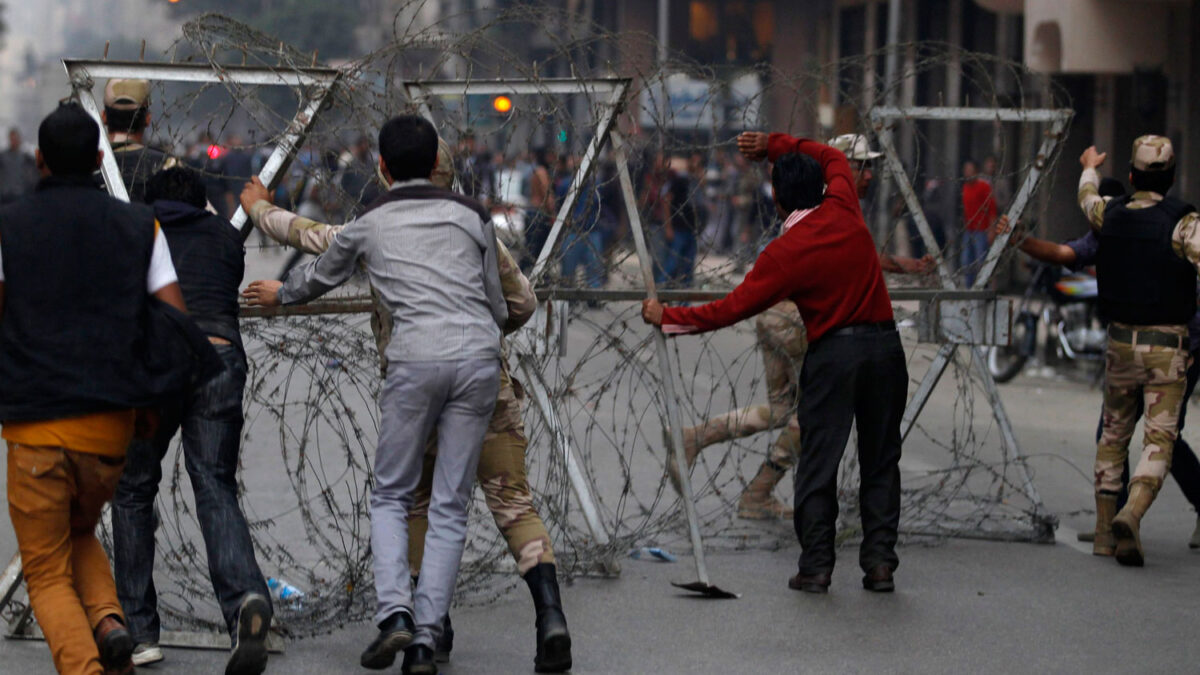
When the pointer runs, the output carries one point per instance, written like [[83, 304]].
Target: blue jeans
[[211, 420], [584, 250], [678, 260], [974, 250]]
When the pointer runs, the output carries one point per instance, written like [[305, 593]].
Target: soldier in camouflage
[[501, 471], [1149, 252], [783, 342]]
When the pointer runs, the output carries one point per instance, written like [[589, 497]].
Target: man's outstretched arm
[[284, 226], [1090, 201], [839, 181], [312, 237], [1047, 251], [765, 285]]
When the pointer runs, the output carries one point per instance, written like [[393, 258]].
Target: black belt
[[862, 329], [1145, 337]]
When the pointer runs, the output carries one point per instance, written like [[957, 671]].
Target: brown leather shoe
[[879, 579], [811, 583], [115, 645]]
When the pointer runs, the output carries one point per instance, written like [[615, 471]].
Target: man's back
[[431, 256], [210, 260], [428, 265], [137, 164], [75, 263]]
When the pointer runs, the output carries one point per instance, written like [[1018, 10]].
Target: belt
[[863, 328], [1145, 337]]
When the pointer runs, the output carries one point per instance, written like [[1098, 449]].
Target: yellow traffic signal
[[502, 104]]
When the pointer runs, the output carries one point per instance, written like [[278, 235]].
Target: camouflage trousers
[[501, 475], [1158, 375], [783, 342]]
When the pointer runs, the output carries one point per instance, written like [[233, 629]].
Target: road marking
[[1067, 536]]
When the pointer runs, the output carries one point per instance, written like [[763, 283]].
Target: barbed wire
[[311, 415]]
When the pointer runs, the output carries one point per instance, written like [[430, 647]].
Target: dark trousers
[[860, 379], [1185, 467], [211, 421]]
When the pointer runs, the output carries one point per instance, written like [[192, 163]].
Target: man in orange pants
[[77, 268]]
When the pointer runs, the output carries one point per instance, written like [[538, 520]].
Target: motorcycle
[[1066, 302]]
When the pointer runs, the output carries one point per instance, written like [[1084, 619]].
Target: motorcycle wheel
[[1005, 362]]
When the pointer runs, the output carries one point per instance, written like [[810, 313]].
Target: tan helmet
[[126, 94], [855, 147], [1153, 153]]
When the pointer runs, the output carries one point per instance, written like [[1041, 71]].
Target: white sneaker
[[146, 653]]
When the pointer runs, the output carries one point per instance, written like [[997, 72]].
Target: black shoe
[[115, 644], [395, 633], [879, 579], [445, 643], [811, 583], [553, 639], [418, 660], [249, 656]]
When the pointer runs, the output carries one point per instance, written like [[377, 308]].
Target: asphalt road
[[961, 605]]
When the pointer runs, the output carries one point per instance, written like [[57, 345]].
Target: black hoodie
[[210, 261]]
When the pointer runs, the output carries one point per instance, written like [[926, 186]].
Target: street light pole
[[664, 29]]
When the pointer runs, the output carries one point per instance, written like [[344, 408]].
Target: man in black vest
[[209, 259], [127, 116], [77, 269], [1149, 249]]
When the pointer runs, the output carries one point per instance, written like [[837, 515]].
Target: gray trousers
[[457, 399]]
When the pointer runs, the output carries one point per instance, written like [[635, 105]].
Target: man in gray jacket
[[430, 254]]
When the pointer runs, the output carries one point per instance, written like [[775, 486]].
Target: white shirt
[[161, 273]]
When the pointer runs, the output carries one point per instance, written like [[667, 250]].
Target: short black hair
[[798, 182], [125, 121], [177, 184], [69, 139], [1111, 187], [408, 145], [1152, 181]]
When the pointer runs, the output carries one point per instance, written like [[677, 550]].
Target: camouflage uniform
[[1139, 363], [501, 471], [782, 341]]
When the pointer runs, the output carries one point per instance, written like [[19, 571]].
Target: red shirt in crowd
[[825, 261], [979, 207]]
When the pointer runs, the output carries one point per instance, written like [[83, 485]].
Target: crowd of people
[[119, 329]]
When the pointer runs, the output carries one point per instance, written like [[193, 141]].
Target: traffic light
[[502, 105], [562, 135]]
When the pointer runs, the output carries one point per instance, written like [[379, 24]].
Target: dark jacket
[[210, 261], [79, 334]]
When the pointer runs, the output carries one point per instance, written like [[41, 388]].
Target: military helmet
[[855, 147], [1153, 153]]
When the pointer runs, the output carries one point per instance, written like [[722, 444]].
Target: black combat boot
[[553, 640], [445, 643]]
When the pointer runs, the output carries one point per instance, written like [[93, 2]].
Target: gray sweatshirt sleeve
[[328, 270], [491, 277]]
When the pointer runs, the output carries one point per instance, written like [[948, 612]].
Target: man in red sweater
[[979, 214], [825, 262]]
